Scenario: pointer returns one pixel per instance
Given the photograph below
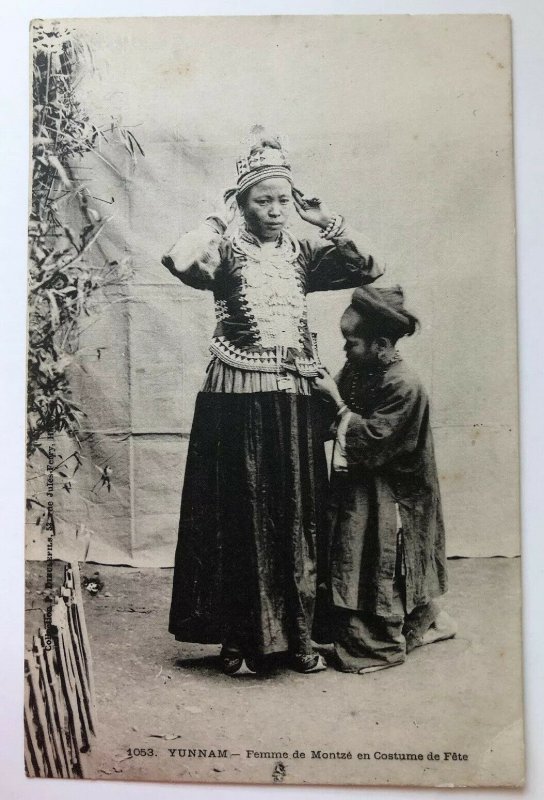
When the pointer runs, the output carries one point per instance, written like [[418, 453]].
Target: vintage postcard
[[273, 490]]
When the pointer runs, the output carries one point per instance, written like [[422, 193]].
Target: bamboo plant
[[68, 270]]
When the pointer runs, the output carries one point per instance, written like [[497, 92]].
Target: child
[[386, 556]]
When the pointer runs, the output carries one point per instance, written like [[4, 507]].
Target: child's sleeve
[[391, 430], [339, 460], [326, 413]]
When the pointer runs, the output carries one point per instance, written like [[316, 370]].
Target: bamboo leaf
[[136, 142], [54, 161]]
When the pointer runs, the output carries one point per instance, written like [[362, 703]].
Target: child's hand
[[325, 385]]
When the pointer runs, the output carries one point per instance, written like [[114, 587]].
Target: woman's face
[[267, 208]]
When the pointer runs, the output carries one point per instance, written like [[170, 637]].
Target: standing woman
[[251, 509]]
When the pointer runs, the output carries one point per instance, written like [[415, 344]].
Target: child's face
[[359, 351]]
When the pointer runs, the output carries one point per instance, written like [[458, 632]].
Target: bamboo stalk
[[80, 662], [76, 666], [58, 706], [31, 763], [33, 748], [36, 699], [54, 728], [50, 728], [29, 766], [74, 728], [74, 566]]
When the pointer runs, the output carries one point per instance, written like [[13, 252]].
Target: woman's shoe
[[231, 661], [306, 664], [231, 664]]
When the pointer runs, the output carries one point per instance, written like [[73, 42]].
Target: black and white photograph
[[272, 484]]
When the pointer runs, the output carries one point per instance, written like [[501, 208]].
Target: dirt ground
[[157, 695]]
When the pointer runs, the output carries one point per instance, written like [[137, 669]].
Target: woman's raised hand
[[312, 209]]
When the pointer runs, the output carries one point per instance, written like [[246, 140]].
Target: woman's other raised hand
[[312, 210]]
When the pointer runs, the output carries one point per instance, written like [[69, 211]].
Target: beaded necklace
[[355, 384]]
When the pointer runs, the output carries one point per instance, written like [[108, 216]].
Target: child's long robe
[[390, 456]]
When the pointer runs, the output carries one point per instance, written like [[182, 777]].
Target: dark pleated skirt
[[250, 525]]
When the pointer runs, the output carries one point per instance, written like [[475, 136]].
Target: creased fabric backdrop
[[402, 124]]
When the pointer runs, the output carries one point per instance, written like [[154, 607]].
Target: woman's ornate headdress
[[267, 159]]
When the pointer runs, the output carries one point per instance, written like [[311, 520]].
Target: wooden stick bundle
[[59, 709]]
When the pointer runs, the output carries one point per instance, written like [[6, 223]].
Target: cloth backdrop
[[402, 124]]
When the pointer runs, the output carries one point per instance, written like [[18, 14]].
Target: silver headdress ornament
[[259, 135]]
